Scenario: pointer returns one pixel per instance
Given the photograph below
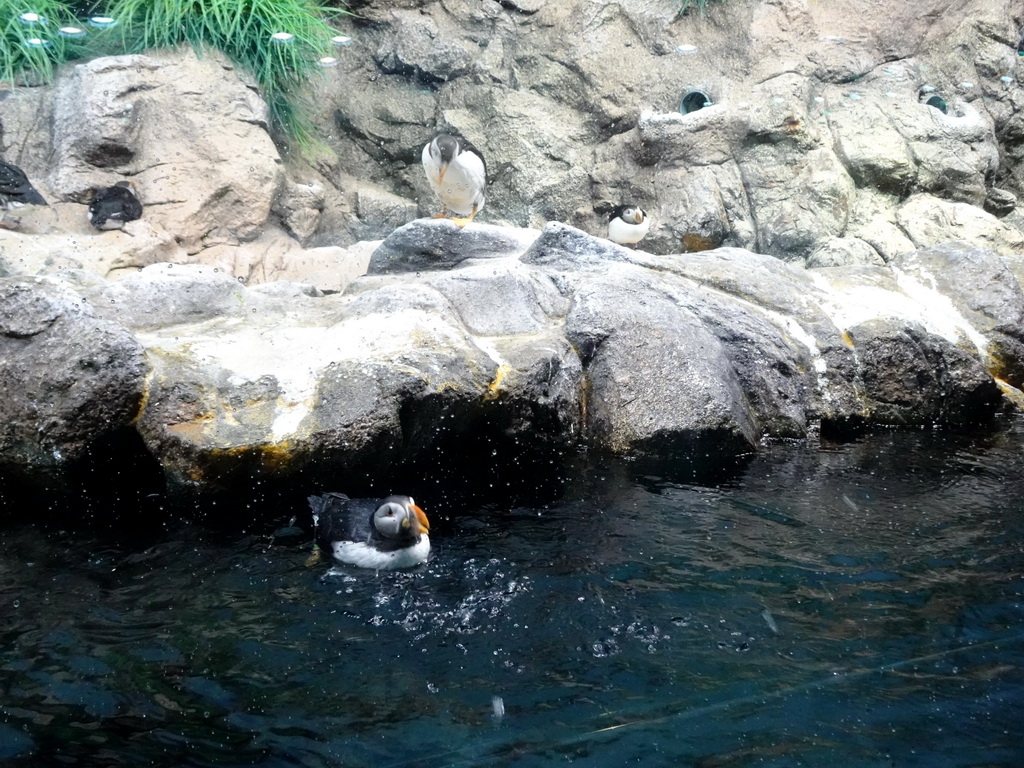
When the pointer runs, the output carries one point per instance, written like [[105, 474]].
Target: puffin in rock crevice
[[628, 225], [112, 207], [387, 534], [15, 191], [458, 175]]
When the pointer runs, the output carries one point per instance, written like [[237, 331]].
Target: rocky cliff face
[[827, 250], [817, 146], [818, 143]]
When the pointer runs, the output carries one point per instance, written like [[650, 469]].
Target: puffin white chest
[[627, 233], [366, 556], [462, 187]]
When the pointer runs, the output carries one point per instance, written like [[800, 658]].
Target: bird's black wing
[[132, 206], [12, 179], [15, 183], [339, 518], [617, 212], [116, 203], [465, 145]]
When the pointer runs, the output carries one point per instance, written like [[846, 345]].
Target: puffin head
[[633, 215], [399, 518], [443, 151]]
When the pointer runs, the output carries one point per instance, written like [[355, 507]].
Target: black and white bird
[[458, 175], [628, 225], [112, 207], [15, 191], [387, 534]]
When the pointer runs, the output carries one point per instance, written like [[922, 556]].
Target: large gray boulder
[[660, 380], [426, 245], [453, 355], [192, 133], [161, 119], [69, 378], [911, 377], [981, 289]]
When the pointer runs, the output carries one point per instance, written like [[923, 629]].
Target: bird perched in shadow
[[458, 175], [112, 207], [15, 191], [628, 225], [387, 534]]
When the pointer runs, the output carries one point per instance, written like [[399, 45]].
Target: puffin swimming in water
[[387, 534], [15, 191], [458, 175], [112, 207], [628, 225]]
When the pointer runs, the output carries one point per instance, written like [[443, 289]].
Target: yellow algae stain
[[997, 365], [270, 455], [314, 558], [694, 243], [193, 431], [847, 339], [1013, 394], [147, 388], [494, 388]]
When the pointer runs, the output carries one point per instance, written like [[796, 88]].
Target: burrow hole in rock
[[694, 100]]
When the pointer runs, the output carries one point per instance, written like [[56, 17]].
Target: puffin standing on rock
[[458, 175], [387, 534], [15, 191], [112, 207], [628, 225]]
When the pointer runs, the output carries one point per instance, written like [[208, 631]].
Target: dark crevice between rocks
[[496, 452], [414, 74], [701, 460], [448, 455], [844, 428], [509, 5], [380, 149], [110, 156], [117, 482]]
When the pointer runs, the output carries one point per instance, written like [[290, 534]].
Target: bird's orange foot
[[462, 222]]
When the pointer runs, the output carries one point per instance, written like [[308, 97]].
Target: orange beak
[[442, 172], [421, 518]]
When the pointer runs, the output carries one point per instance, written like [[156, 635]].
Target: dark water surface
[[851, 605]]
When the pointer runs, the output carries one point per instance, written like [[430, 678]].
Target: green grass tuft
[[242, 29], [21, 61]]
